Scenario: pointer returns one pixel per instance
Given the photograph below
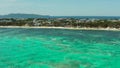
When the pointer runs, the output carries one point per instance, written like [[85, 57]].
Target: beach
[[73, 28]]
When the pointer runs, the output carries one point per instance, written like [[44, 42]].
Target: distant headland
[[23, 15]]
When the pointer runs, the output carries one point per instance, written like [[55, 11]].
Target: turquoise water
[[59, 48]]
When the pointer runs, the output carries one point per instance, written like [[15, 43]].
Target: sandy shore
[[73, 28]]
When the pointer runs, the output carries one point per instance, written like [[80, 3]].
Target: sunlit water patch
[[59, 48]]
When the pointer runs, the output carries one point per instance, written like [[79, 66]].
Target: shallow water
[[59, 48]]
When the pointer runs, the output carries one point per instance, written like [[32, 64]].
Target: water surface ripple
[[59, 48]]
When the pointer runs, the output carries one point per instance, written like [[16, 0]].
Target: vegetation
[[61, 22]]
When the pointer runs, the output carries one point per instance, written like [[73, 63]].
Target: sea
[[59, 48], [86, 17]]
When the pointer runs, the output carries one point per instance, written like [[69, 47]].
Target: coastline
[[71, 28]]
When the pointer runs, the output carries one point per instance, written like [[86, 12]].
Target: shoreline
[[72, 28]]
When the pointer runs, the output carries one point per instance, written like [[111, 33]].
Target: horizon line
[[63, 15]]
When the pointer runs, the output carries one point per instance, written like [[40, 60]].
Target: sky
[[62, 7]]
